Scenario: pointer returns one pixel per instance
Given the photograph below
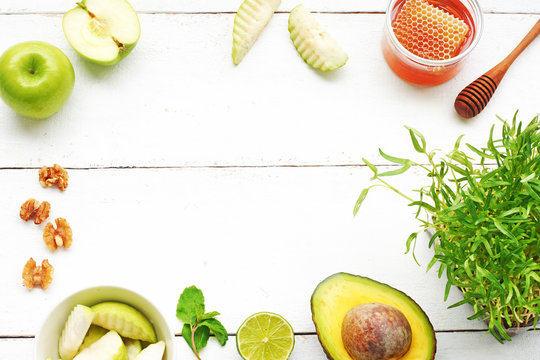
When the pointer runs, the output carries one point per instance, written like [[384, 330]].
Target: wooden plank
[[254, 240], [24, 6], [178, 100], [450, 346], [12, 349]]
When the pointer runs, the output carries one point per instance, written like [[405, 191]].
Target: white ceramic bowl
[[47, 339]]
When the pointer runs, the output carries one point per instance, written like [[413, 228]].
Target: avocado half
[[339, 293]]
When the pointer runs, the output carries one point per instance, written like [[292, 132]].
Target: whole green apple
[[36, 79]]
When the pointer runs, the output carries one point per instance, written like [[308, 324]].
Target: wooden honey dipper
[[475, 97]]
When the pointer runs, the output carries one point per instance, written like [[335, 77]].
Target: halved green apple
[[102, 31]]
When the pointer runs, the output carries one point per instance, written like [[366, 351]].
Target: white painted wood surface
[[252, 238], [60, 6], [241, 180], [450, 346], [178, 100]]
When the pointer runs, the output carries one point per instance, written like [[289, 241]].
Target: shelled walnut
[[48, 176], [32, 208], [61, 236], [34, 275]]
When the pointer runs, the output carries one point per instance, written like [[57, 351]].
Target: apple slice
[[124, 319], [109, 347], [94, 334], [249, 22], [152, 352], [133, 348], [102, 31], [313, 43], [74, 331]]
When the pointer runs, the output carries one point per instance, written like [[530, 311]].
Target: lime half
[[265, 336]]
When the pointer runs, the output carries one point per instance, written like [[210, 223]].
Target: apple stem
[[32, 71], [83, 6], [119, 44]]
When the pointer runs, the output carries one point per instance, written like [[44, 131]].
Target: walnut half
[[34, 275], [61, 236], [32, 208], [48, 176]]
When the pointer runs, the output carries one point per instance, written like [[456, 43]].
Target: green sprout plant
[[484, 217]]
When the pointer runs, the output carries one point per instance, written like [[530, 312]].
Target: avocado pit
[[375, 331]]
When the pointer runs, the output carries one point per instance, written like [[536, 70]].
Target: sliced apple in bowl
[[102, 31]]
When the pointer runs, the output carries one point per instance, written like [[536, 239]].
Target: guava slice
[[152, 352], [94, 334], [249, 22], [313, 43], [102, 31], [74, 331], [124, 319], [133, 348], [109, 347]]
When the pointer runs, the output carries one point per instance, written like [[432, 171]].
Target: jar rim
[[479, 24]]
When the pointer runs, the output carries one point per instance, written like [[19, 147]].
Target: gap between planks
[[308, 333], [234, 12], [165, 167]]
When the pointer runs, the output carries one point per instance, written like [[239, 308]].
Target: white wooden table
[[185, 169]]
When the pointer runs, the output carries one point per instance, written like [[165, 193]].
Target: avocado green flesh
[[339, 293]]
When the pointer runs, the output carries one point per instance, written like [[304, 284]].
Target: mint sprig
[[198, 325]]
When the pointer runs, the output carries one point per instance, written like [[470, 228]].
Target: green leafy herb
[[485, 219], [198, 325]]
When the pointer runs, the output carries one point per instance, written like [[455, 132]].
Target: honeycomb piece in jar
[[428, 31], [61, 236], [34, 275], [32, 208], [49, 176]]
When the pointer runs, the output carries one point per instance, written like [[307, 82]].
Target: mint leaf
[[201, 336], [186, 334], [217, 329], [208, 315], [190, 305], [202, 333]]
